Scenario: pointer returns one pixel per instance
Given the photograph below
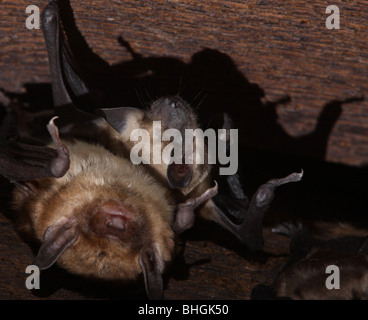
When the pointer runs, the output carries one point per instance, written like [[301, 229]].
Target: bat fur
[[312, 250]]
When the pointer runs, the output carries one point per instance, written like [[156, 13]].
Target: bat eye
[[174, 105]]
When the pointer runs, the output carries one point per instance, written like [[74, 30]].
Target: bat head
[[104, 219], [173, 113]]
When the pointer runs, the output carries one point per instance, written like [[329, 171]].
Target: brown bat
[[96, 213], [104, 218], [311, 253]]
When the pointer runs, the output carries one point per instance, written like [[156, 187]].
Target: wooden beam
[[273, 66]]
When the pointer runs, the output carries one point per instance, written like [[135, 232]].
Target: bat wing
[[249, 230], [22, 161], [68, 86], [232, 209], [67, 81]]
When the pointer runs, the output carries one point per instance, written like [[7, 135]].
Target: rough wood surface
[[274, 66]]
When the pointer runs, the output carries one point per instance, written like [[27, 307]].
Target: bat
[[304, 277], [91, 209]]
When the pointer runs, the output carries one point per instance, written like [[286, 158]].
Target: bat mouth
[[117, 215], [116, 220]]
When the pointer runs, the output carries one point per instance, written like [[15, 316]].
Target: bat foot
[[59, 165], [265, 192], [250, 230], [293, 177], [50, 13], [185, 215], [287, 228]]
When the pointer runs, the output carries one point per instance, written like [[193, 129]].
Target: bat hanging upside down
[[96, 213]]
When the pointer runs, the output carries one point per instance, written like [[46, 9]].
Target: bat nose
[[112, 218], [116, 221], [117, 214]]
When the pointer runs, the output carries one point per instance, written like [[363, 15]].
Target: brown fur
[[305, 279], [94, 178], [327, 230]]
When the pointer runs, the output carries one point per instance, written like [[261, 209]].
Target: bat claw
[[211, 192], [293, 177], [52, 127], [287, 228], [185, 215], [59, 165], [249, 232]]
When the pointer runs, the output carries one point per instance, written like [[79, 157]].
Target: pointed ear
[[56, 240], [152, 267], [122, 119], [179, 175]]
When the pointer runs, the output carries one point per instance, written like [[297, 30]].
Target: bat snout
[[114, 219], [117, 215]]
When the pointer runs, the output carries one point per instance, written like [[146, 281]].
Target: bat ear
[[56, 240], [122, 119], [179, 175], [152, 266], [185, 215]]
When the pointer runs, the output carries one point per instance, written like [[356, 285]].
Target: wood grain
[[258, 53]]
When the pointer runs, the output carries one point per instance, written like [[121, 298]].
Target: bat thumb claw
[[293, 177]]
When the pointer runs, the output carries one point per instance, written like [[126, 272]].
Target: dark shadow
[[210, 81]]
